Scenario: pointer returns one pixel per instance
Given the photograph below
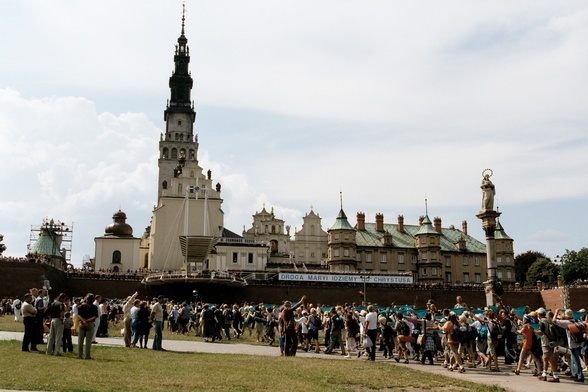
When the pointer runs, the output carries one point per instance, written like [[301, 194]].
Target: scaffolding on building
[[51, 241]]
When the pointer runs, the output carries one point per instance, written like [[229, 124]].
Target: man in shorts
[[547, 345]]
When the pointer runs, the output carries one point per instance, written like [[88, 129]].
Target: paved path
[[525, 382]]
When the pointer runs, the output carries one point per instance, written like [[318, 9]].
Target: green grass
[[119, 369]]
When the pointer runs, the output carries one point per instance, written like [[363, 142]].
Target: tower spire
[[183, 16]]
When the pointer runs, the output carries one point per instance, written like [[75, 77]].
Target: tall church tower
[[179, 140], [188, 218]]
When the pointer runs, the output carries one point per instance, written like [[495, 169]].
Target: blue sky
[[389, 102]]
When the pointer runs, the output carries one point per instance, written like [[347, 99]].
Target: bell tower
[[179, 141]]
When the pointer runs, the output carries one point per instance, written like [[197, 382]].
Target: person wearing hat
[[528, 335], [574, 346], [28, 317]]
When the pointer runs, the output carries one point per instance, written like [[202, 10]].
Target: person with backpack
[[337, 327], [494, 335], [455, 337], [371, 331], [481, 326], [314, 326], [575, 343], [403, 330], [547, 332], [528, 337]]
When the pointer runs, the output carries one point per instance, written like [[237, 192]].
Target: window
[[337, 252], [250, 258], [448, 261], [466, 277], [507, 259], [499, 274], [235, 257], [336, 268], [478, 278], [499, 259], [346, 268], [424, 256], [414, 259], [174, 153], [400, 258], [179, 188], [465, 260], [477, 261], [423, 240], [368, 257], [424, 272], [336, 236], [346, 252], [448, 277], [382, 257], [358, 257], [434, 271], [116, 257], [312, 254], [301, 254], [433, 255], [346, 236], [508, 275]]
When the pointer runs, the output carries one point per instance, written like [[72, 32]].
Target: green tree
[[2, 246], [574, 265], [523, 262], [544, 270]]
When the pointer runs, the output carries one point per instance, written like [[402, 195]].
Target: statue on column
[[488, 191]]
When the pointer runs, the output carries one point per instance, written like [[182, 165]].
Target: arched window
[[192, 154], [116, 257], [115, 268], [146, 263], [181, 137], [191, 173], [176, 136], [165, 153], [183, 152], [164, 185], [174, 153]]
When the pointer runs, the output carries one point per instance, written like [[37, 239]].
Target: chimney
[[464, 227], [379, 222], [401, 223], [437, 224], [421, 219], [360, 221]]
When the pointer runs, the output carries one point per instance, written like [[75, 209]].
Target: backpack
[[457, 335], [579, 326], [316, 322], [17, 305], [483, 333], [495, 332], [339, 323], [404, 329]]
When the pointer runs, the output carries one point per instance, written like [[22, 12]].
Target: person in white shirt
[[16, 305], [371, 331]]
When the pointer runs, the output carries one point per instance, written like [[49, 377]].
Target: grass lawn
[[119, 369]]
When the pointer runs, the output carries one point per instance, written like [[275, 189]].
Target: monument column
[[488, 217]]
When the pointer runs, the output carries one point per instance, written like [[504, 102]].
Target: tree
[[523, 262], [574, 265], [2, 246], [544, 270]]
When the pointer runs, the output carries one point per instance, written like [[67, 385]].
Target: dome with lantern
[[119, 227]]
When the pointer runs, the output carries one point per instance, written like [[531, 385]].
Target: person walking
[[371, 331], [56, 312]]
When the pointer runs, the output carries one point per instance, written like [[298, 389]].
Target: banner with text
[[385, 279]]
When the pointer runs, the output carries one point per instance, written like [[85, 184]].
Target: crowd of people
[[548, 343]]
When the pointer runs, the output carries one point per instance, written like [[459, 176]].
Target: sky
[[388, 103]]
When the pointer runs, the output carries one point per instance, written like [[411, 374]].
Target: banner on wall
[[337, 278]]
